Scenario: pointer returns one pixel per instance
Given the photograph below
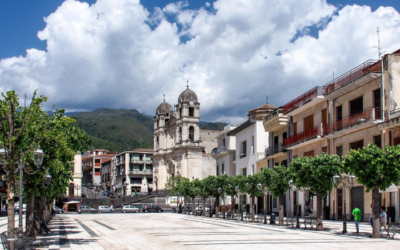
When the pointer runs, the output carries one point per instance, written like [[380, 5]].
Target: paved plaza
[[177, 231]]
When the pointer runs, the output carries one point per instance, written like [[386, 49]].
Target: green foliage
[[315, 173], [373, 166], [276, 179], [249, 186], [213, 126], [174, 184], [232, 182]]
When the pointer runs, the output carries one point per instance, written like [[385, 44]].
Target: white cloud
[[107, 55]]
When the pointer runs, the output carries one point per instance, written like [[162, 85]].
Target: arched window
[[180, 134], [191, 133], [157, 143]]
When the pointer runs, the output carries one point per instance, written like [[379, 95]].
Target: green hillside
[[117, 129], [123, 129]]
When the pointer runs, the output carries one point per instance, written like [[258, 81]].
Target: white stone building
[[180, 147]]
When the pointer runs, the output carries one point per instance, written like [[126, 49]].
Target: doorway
[[71, 190], [340, 204], [357, 199]]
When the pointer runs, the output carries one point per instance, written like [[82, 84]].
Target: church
[[181, 148]]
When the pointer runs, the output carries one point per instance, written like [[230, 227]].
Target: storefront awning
[[72, 202]]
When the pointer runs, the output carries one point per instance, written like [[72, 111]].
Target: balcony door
[[308, 122], [340, 204], [356, 106]]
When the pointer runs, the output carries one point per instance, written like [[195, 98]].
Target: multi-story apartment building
[[106, 174], [225, 154], [91, 165], [251, 141], [133, 171], [353, 110], [75, 186]]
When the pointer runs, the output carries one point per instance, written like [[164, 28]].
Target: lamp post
[[348, 183], [237, 191], [240, 210], [260, 187], [220, 191]]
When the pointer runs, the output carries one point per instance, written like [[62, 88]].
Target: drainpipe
[[383, 103]]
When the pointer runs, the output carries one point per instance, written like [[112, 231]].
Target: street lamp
[[347, 184], [237, 191]]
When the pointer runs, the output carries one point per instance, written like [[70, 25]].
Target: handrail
[[302, 136], [303, 99], [351, 75], [349, 121]]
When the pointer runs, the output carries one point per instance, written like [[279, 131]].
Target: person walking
[[357, 217], [111, 209], [383, 218]]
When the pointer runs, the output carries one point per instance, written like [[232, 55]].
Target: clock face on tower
[[191, 103]]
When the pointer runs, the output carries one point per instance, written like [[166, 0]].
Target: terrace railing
[[303, 136], [353, 74], [350, 121], [303, 99]]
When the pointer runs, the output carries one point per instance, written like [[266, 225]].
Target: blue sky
[[20, 20], [114, 54]]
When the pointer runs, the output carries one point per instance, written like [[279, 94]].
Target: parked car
[[152, 208], [16, 209], [58, 210], [86, 209], [104, 209], [130, 209], [200, 208]]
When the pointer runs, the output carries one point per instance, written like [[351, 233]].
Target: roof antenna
[[164, 97], [267, 100], [187, 84]]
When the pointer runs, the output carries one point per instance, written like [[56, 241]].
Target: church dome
[[164, 108], [187, 96]]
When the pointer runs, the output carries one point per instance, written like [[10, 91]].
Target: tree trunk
[[193, 205], [30, 220], [216, 205], [281, 211], [37, 215], [184, 207], [232, 205], [10, 206], [252, 207], [320, 225], [375, 213], [204, 206]]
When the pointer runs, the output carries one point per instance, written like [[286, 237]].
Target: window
[[356, 106], [324, 149], [295, 128], [191, 112], [180, 134], [157, 142], [223, 168], [339, 113], [284, 136], [217, 170], [284, 163], [324, 117], [378, 141], [243, 150], [308, 122], [377, 98], [339, 150], [180, 113], [309, 153], [223, 142], [245, 171], [252, 144], [356, 145], [191, 133]]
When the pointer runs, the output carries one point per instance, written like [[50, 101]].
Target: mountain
[[213, 125], [117, 129], [123, 129]]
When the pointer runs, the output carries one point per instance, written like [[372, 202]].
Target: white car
[[130, 209], [104, 209], [201, 208]]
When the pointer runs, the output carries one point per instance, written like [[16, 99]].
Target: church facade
[[181, 148]]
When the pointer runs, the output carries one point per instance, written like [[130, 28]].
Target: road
[[177, 231]]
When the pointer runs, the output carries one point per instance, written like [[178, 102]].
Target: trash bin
[[272, 219]]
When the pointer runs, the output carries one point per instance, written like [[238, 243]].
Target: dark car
[[152, 208], [86, 209]]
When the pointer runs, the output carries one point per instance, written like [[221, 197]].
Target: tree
[[277, 179], [186, 190], [316, 173], [220, 183], [375, 169], [250, 187], [63, 140], [197, 190], [230, 187], [16, 123], [209, 189], [173, 185]]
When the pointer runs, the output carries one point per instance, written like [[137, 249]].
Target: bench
[[311, 221], [21, 241], [392, 228], [291, 221]]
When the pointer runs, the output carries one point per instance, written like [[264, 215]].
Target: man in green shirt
[[357, 217]]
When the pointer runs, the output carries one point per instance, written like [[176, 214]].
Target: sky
[[92, 54]]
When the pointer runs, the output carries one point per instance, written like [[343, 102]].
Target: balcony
[[140, 161], [140, 172], [275, 151], [360, 75], [304, 138], [305, 101], [149, 161], [366, 118], [242, 155], [275, 121], [120, 173]]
